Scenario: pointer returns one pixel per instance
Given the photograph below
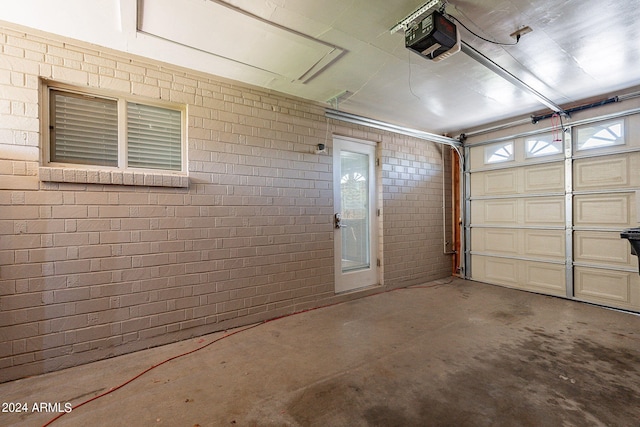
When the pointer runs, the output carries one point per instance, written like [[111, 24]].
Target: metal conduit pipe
[[444, 213], [377, 124], [415, 133], [364, 121]]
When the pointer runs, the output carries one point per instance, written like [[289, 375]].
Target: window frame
[[122, 144]]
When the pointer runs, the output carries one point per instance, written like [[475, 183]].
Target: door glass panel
[[354, 193]]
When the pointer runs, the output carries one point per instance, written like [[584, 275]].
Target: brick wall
[[88, 271], [412, 193]]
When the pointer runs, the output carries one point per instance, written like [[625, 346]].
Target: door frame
[[355, 280]]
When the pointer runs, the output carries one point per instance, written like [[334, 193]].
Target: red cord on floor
[[111, 390]]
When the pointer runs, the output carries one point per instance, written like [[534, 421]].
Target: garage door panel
[[495, 183], [609, 287], [501, 212], [537, 211], [605, 248], [544, 211], [546, 278], [499, 182], [605, 210], [524, 243], [500, 271], [547, 178], [494, 212], [499, 241], [619, 171], [527, 275], [548, 244], [518, 181]]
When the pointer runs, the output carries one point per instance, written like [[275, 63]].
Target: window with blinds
[[92, 130], [153, 137], [84, 130]]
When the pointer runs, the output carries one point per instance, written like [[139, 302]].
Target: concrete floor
[[447, 354]]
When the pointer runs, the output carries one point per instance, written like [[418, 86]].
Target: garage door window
[[543, 145], [498, 153], [599, 135]]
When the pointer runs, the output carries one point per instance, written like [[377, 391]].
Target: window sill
[[112, 177]]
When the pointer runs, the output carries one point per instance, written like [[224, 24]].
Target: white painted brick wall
[[89, 270]]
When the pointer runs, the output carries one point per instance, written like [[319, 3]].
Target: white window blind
[[154, 138], [84, 130]]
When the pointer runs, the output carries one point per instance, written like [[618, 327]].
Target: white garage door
[[546, 212]]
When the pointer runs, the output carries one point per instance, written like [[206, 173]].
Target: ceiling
[[320, 50]]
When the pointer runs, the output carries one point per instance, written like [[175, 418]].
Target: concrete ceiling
[[317, 50]]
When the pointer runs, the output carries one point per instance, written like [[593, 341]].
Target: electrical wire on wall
[[483, 38]]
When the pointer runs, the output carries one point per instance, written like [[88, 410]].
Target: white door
[[355, 238]]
